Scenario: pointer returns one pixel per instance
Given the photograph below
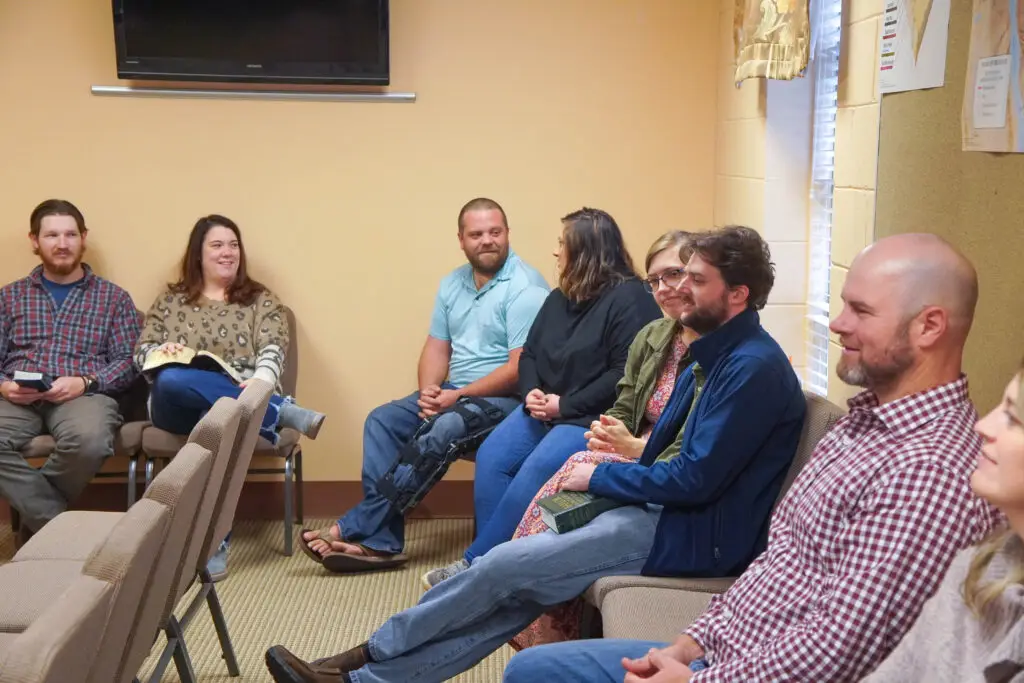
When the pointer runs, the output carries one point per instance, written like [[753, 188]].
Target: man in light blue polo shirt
[[482, 314]]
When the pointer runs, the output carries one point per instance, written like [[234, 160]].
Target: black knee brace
[[429, 467]]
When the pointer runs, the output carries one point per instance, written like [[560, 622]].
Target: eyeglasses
[[672, 278]]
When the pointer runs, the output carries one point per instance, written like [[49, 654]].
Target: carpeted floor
[[269, 598]]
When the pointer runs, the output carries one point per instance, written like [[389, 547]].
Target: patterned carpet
[[269, 598]]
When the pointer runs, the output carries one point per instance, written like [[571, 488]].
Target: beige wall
[[762, 167], [348, 210], [856, 155]]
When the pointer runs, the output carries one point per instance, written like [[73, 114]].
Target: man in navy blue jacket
[[702, 513]]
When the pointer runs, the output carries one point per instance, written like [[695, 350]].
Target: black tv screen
[[256, 41]]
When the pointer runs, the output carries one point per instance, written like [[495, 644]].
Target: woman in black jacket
[[574, 356]]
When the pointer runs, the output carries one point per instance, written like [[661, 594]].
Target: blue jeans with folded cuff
[[512, 464], [180, 397], [374, 522], [463, 619]]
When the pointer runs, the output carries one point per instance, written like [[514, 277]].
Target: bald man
[[869, 527]]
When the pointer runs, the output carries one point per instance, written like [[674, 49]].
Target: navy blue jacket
[[735, 452]]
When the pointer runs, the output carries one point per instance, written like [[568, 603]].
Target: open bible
[[200, 360]]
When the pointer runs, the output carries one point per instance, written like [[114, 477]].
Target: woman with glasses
[[972, 629], [573, 358]]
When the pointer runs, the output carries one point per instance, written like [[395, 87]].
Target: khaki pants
[[84, 430]]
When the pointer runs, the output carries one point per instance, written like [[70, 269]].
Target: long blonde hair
[[978, 594]]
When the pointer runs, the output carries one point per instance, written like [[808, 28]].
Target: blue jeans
[[581, 661], [179, 397], [463, 619], [374, 522], [515, 460]]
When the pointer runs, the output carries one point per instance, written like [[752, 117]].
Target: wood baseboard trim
[[321, 499]]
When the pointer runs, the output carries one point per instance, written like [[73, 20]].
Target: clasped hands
[[668, 665], [541, 406], [433, 399], [610, 435]]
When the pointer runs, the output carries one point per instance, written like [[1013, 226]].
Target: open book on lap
[[189, 358]]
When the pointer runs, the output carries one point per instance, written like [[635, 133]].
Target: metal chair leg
[[133, 466], [289, 484], [299, 516], [182, 662], [220, 624], [150, 463]]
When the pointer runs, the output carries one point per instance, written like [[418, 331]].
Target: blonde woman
[[972, 628]]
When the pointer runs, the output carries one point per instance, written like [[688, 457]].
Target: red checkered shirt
[[92, 333], [858, 545]]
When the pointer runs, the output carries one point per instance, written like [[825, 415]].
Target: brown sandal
[[345, 563], [321, 535]]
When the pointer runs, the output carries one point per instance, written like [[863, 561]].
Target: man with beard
[[869, 527], [703, 512], [78, 330], [482, 314]]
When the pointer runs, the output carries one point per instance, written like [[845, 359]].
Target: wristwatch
[[91, 384]]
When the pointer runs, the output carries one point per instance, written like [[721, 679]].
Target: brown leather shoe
[[287, 668], [349, 660]]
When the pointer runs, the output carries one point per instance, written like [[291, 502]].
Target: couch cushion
[[650, 613], [129, 438], [127, 442], [6, 639], [30, 587], [156, 443], [70, 535], [600, 589]]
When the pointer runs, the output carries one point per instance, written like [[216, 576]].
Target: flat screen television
[[341, 42]]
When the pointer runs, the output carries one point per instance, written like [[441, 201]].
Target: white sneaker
[[436, 576]]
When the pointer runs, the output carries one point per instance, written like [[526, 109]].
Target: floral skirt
[[561, 622]]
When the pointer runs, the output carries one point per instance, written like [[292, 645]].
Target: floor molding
[[322, 499]]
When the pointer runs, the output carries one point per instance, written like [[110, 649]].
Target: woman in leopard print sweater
[[216, 307]]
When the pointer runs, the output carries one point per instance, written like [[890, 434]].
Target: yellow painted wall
[[740, 157], [856, 156], [762, 176], [348, 210]]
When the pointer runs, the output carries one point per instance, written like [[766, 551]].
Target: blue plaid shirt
[[92, 333]]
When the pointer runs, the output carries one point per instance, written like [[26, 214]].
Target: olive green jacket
[[647, 354]]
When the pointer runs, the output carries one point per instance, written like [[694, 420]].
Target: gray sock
[[302, 420]]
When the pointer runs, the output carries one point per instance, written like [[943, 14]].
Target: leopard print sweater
[[252, 339]]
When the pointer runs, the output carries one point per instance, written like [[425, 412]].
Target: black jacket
[[578, 350]]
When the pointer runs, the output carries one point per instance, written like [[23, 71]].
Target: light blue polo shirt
[[484, 325]]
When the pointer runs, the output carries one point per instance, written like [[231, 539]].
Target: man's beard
[[64, 268], [488, 268], [897, 358], [706, 319]]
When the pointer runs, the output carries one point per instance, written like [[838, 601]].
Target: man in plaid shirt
[[872, 523], [78, 330]]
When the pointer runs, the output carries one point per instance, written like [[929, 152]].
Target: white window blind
[[826, 27]]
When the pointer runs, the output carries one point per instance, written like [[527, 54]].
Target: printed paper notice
[[993, 110], [914, 36], [990, 92]]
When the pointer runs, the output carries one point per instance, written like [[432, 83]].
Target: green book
[[568, 510]]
